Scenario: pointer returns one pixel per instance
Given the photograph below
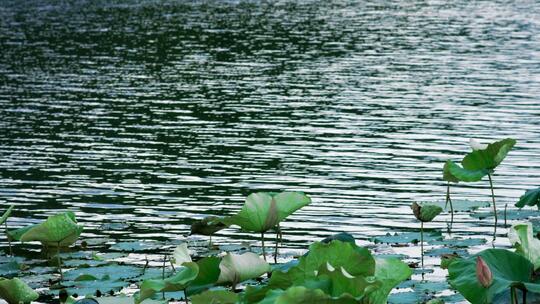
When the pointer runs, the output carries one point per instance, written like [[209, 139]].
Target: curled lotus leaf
[[236, 268], [425, 212], [6, 214], [530, 198], [521, 236], [264, 210], [15, 291], [58, 230]]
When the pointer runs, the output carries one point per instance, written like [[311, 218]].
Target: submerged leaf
[[58, 230], [15, 291], [522, 238], [530, 198]]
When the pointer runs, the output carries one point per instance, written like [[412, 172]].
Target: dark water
[[161, 112]]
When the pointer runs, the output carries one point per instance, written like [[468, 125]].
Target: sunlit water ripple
[[162, 112]]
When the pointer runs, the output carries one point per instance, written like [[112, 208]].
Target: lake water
[[157, 113]]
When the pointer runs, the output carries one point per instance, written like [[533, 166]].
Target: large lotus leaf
[[488, 158], [507, 268], [60, 229], [215, 297], [522, 238], [179, 281], [302, 295], [463, 174], [530, 198], [390, 272], [426, 212], [16, 234], [208, 226], [238, 268], [447, 174], [356, 261], [208, 275], [15, 291], [6, 215], [263, 210], [337, 282]]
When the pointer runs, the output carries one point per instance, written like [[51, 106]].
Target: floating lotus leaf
[[208, 226], [530, 198], [238, 268], [112, 272], [15, 291], [58, 230], [507, 268], [522, 238], [136, 246], [390, 272], [407, 237], [179, 281], [215, 297], [302, 295], [511, 214], [426, 212], [264, 210], [6, 215], [342, 236], [459, 205]]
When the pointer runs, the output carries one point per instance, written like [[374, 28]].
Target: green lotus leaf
[[390, 272], [522, 238], [238, 268], [463, 174], [15, 291], [337, 282], [426, 212], [302, 295], [6, 214], [215, 297], [488, 158], [16, 234], [208, 226], [447, 174], [356, 261], [264, 210], [179, 281], [507, 268], [208, 275], [58, 230], [530, 198]]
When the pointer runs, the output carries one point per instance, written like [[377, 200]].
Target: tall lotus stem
[[513, 297], [277, 243], [449, 200], [59, 260], [524, 294], [9, 239], [422, 245], [263, 250], [210, 242], [505, 207], [163, 274], [494, 207], [186, 295]]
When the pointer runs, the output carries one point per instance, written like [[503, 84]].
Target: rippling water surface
[[157, 113]]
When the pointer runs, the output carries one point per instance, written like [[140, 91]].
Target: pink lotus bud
[[483, 273]]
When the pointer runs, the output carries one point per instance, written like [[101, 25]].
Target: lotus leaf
[[58, 230], [208, 226], [459, 205], [264, 210], [447, 175], [390, 272], [522, 238], [238, 268], [302, 295], [181, 255], [6, 214], [425, 212], [15, 291], [177, 282], [530, 198], [508, 269], [215, 297]]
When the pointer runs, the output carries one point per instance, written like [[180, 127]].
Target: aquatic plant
[[424, 213], [263, 211], [521, 236], [479, 163], [492, 273], [3, 220], [208, 226], [530, 198], [15, 291], [449, 178]]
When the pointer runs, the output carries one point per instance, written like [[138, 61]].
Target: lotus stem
[[210, 242], [524, 294], [505, 207], [59, 260], [263, 250], [186, 296], [449, 200], [9, 239], [277, 243], [494, 207], [146, 264], [513, 297], [163, 274], [172, 265], [422, 245]]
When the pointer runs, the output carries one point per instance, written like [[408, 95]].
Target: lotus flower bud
[[483, 273]]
